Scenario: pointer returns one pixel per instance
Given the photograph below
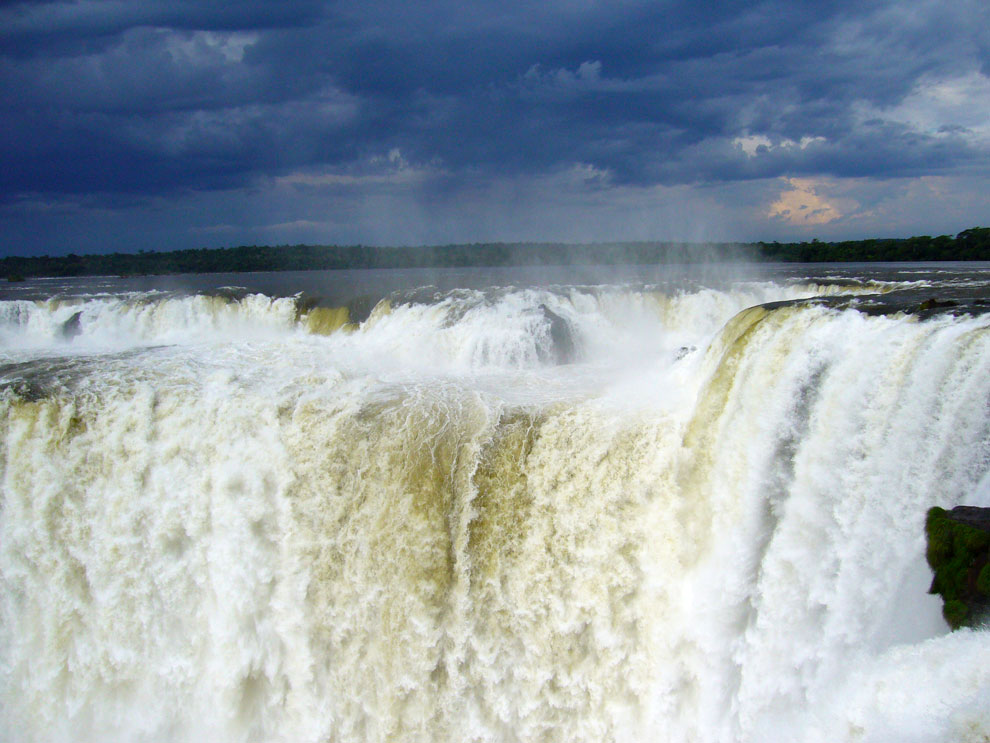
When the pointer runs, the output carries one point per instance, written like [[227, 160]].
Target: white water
[[217, 525]]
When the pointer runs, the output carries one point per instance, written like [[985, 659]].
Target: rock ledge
[[959, 555]]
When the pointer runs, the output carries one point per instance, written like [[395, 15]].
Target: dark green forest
[[969, 245]]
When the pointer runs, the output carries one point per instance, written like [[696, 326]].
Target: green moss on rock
[[939, 534], [983, 580], [955, 613], [958, 546]]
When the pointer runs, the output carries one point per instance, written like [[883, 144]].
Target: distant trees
[[968, 245], [971, 244]]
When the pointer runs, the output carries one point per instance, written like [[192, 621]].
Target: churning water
[[680, 511]]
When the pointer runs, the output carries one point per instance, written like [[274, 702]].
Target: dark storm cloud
[[153, 97], [59, 27]]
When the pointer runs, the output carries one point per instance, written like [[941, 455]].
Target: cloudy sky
[[165, 124]]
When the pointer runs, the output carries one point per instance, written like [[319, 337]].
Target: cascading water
[[239, 518]]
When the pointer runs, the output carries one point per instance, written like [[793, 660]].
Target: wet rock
[[560, 334], [71, 327], [360, 308], [959, 555], [933, 304]]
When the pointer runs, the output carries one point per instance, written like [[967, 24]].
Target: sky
[[133, 125]]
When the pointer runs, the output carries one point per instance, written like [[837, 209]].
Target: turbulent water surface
[[490, 506]]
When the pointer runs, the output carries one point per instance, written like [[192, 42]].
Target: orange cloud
[[801, 204]]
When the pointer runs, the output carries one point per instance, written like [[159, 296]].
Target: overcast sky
[[166, 124]]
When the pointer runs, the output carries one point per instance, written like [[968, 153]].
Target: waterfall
[[250, 519]]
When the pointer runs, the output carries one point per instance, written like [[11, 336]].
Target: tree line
[[969, 245], [972, 244]]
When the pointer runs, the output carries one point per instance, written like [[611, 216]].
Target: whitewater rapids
[[240, 517]]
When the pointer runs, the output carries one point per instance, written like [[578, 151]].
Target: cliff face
[[959, 555]]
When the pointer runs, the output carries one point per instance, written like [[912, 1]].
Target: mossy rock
[[932, 304], [959, 555], [955, 613], [983, 580]]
